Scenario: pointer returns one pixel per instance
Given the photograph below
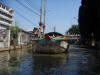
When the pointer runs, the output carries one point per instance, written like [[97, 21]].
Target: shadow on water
[[84, 62], [94, 62], [49, 64]]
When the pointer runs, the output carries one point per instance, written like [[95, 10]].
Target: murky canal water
[[76, 62]]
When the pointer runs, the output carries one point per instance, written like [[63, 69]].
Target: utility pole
[[44, 17], [40, 24], [54, 29]]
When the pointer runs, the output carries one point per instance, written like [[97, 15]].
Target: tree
[[14, 34], [73, 30]]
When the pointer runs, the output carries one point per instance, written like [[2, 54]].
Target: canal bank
[[15, 48]]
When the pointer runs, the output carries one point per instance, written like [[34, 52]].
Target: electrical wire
[[29, 3], [25, 18], [27, 8]]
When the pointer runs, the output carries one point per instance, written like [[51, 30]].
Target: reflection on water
[[49, 64], [10, 62], [76, 62]]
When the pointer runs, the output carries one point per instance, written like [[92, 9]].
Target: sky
[[59, 13]]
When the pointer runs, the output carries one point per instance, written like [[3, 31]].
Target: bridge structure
[[73, 38]]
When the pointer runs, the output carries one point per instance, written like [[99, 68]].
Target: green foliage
[[74, 30], [14, 31]]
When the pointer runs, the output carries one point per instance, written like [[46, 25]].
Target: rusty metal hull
[[50, 47]]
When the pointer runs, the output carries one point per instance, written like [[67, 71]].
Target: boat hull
[[50, 47]]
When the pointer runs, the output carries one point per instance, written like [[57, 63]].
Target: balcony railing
[[7, 12], [4, 17], [4, 23]]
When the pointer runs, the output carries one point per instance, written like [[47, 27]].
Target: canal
[[77, 62]]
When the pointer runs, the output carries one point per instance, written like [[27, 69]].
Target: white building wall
[[5, 24], [23, 38]]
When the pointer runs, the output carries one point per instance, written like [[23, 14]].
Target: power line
[[6, 2], [27, 8], [25, 18], [29, 3], [2, 1]]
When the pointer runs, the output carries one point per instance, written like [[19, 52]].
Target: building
[[5, 24], [23, 37], [37, 33]]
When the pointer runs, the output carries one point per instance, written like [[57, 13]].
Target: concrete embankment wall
[[17, 47]]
